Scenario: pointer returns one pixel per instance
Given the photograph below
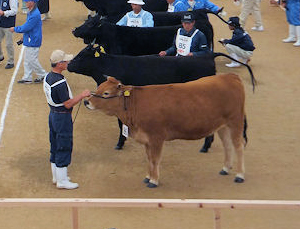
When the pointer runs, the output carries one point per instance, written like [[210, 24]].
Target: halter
[[101, 97], [125, 94]]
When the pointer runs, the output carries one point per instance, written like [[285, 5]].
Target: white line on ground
[[3, 115]]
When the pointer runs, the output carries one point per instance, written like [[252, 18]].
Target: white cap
[[59, 56], [138, 2]]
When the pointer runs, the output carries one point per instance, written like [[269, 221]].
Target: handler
[[240, 46], [188, 41], [8, 11], [61, 102], [32, 38], [137, 17]]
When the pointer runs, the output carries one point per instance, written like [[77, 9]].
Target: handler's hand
[[162, 53], [190, 54], [12, 29], [1, 12], [85, 93]]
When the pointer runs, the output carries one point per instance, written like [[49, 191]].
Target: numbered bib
[[183, 43], [134, 22]]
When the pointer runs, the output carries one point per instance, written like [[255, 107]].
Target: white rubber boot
[[233, 64], [62, 179], [292, 35], [53, 169], [297, 44]]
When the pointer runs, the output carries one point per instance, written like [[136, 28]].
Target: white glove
[[222, 13]]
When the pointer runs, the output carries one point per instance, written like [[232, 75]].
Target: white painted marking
[[3, 115]]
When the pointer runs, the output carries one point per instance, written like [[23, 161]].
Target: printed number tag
[[125, 131]]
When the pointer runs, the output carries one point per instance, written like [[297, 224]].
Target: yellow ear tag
[[126, 93], [102, 50], [97, 54]]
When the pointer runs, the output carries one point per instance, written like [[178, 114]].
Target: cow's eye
[[106, 93]]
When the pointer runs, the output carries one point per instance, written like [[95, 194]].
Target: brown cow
[[192, 110]]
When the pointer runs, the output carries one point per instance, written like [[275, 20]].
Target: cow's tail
[[253, 80], [245, 131], [216, 14]]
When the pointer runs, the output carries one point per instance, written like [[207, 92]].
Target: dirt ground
[[271, 157]]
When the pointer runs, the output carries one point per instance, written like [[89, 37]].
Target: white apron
[[183, 43]]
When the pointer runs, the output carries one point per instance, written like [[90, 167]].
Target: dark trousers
[[61, 138], [43, 6]]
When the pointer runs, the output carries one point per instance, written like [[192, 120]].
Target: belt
[[62, 112]]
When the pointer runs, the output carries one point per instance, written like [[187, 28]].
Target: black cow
[[132, 40], [117, 7], [129, 40], [142, 70]]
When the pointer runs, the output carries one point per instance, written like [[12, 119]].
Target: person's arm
[[211, 6], [72, 102], [28, 25], [179, 6], [237, 35], [202, 44], [149, 22], [122, 21], [13, 9]]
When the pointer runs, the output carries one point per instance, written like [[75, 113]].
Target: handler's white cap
[[59, 56], [138, 2]]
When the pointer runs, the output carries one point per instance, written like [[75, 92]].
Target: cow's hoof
[[239, 180], [151, 185], [146, 180], [117, 147], [203, 150], [223, 172]]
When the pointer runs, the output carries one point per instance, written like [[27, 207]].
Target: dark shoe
[[25, 81], [2, 59], [9, 66], [38, 80]]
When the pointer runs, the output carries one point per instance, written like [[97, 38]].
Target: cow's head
[[90, 29], [86, 63], [109, 96]]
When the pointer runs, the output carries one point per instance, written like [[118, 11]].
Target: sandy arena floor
[[271, 157]]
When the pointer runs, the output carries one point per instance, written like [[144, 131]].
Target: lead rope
[[77, 112]]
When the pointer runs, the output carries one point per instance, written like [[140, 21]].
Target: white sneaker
[[233, 65], [297, 44], [258, 28], [289, 40], [46, 16]]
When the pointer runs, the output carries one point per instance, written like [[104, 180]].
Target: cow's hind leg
[[207, 143], [225, 137], [237, 140], [122, 138], [153, 151]]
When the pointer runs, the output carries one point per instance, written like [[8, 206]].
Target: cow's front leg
[[153, 151], [122, 138]]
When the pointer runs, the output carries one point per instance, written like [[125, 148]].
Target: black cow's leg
[[122, 138], [207, 144]]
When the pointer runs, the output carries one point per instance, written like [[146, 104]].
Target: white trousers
[[238, 51], [32, 64], [4, 32], [248, 7]]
